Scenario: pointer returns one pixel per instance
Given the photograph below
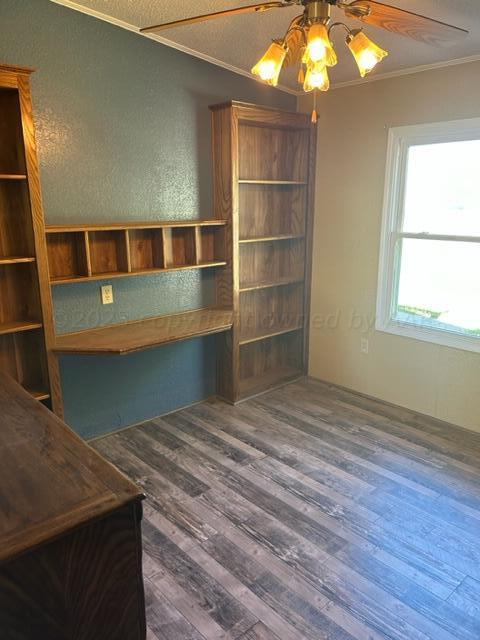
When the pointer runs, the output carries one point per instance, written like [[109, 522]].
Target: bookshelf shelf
[[278, 238], [270, 284], [12, 176]]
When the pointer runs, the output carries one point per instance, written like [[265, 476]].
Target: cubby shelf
[[79, 253], [129, 274], [18, 326], [135, 336], [124, 226]]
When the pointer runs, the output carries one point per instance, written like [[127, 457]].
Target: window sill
[[429, 334]]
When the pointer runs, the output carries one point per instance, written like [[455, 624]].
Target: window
[[429, 272]]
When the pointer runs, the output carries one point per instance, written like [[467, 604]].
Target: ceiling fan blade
[[295, 41], [403, 22], [253, 8]]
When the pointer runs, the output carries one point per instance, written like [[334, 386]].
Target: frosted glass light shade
[[268, 68], [366, 53]]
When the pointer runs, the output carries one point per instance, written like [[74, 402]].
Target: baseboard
[[138, 424], [413, 412]]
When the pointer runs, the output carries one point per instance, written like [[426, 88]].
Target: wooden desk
[[70, 539], [126, 338]]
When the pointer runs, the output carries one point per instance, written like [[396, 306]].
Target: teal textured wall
[[124, 133]]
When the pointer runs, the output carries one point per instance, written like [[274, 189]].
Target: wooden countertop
[[51, 482], [121, 339]]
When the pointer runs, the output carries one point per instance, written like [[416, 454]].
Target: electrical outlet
[[364, 345], [107, 294]]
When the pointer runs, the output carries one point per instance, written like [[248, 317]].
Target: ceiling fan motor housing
[[318, 10]]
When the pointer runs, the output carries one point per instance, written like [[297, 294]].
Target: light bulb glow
[[316, 78], [366, 53], [268, 68], [319, 47]]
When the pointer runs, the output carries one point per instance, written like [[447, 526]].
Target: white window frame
[[400, 139]]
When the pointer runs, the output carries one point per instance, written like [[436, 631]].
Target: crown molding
[[70, 4], [405, 72]]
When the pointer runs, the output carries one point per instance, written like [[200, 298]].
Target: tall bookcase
[[264, 173], [26, 319]]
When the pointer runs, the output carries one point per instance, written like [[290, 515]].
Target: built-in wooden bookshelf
[[26, 321], [79, 253], [264, 181]]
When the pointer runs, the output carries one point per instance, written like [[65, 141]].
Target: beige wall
[[353, 127]]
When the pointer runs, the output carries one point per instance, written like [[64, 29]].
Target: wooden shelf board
[[286, 236], [122, 226], [135, 336], [270, 334], [267, 381], [15, 259], [273, 182], [136, 272], [269, 284], [18, 326], [38, 394], [13, 176]]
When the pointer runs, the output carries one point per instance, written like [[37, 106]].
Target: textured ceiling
[[238, 41]]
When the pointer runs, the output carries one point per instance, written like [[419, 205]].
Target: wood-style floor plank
[[306, 513]]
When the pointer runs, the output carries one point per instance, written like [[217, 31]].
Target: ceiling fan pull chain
[[314, 112]]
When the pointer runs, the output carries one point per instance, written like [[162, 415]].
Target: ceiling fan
[[307, 40]]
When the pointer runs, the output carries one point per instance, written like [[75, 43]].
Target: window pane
[[440, 285], [443, 189]]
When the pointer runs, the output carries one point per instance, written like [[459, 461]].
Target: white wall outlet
[[107, 294], [364, 345]]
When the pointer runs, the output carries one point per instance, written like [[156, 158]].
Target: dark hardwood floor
[[309, 513]]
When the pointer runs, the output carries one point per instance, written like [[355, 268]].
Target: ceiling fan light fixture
[[319, 46], [269, 66], [316, 77], [366, 53]]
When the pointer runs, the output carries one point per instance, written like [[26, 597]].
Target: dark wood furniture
[[70, 539], [264, 173], [26, 318]]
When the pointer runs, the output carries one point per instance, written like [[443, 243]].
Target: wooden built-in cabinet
[[26, 321], [264, 183]]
